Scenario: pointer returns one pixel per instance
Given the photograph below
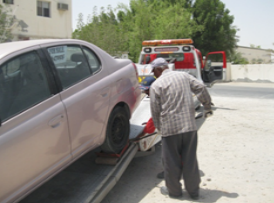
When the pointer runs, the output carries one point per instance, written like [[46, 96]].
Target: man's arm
[[200, 91], [149, 128]]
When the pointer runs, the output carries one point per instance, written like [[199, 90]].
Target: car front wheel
[[117, 133]]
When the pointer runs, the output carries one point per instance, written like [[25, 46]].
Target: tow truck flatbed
[[84, 181]]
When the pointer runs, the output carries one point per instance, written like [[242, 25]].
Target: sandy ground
[[235, 154]]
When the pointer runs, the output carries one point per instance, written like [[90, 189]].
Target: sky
[[253, 18]]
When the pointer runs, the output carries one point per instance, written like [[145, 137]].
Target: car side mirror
[[208, 65]]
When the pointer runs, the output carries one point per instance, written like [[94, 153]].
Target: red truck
[[182, 56]]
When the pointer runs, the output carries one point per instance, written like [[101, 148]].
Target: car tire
[[117, 133]]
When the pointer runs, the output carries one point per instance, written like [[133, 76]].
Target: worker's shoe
[[165, 191], [195, 197], [161, 175]]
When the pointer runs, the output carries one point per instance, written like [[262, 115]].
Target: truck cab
[[182, 56]]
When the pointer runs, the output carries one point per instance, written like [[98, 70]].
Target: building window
[[23, 38], [43, 8], [8, 1]]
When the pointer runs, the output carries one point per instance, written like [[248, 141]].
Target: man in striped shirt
[[173, 114]]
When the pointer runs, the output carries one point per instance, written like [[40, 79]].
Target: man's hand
[[208, 113]]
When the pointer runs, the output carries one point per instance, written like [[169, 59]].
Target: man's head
[[146, 83], [158, 66]]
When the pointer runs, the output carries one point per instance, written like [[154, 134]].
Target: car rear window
[[71, 64]]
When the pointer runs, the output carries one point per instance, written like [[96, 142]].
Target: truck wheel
[[117, 133]]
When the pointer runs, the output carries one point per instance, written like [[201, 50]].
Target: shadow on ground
[[208, 195], [139, 182]]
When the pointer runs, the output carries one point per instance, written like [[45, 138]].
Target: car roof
[[10, 47]]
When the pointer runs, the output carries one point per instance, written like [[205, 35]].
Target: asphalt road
[[243, 90], [235, 152]]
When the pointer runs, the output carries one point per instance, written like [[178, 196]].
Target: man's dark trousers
[[175, 150]]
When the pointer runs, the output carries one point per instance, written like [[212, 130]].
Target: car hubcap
[[118, 130]]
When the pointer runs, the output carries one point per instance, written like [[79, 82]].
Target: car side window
[[93, 61], [71, 64], [23, 84]]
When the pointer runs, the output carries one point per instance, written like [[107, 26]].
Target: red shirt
[[149, 128]]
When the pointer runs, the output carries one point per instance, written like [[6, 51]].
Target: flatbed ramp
[[83, 181]]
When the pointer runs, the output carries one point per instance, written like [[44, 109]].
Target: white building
[[40, 19], [255, 55]]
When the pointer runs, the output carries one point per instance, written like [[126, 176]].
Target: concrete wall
[[250, 73], [31, 26]]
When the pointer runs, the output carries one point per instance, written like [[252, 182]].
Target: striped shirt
[[171, 102]]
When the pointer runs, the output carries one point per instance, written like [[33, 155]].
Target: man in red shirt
[[149, 128], [145, 85]]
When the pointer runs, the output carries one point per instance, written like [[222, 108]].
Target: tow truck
[[183, 56]]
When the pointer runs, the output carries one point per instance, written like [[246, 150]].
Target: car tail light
[[135, 67]]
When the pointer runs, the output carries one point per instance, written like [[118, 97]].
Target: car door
[[85, 88], [214, 66], [34, 141]]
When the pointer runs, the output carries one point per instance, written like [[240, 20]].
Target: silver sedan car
[[58, 100]]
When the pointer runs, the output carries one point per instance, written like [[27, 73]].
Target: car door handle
[[104, 94], [56, 121]]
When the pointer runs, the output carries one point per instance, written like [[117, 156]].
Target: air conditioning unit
[[8, 1], [62, 6]]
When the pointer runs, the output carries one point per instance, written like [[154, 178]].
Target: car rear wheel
[[117, 133]]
